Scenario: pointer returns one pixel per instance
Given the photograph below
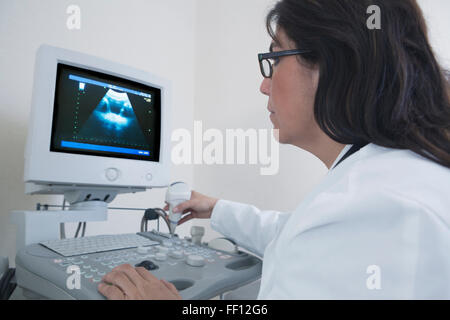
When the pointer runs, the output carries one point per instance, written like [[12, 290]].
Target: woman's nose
[[265, 86]]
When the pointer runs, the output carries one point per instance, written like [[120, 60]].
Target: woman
[[373, 106]]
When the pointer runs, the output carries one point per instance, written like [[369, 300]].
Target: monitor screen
[[102, 115]]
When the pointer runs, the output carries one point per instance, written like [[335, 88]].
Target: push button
[[160, 256], [112, 174], [177, 254], [195, 261]]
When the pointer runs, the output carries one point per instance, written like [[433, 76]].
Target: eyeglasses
[[265, 60]]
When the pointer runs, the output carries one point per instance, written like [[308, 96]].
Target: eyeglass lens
[[266, 67]]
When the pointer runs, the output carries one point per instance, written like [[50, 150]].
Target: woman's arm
[[248, 226]]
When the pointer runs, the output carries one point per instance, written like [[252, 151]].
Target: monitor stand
[[43, 225]]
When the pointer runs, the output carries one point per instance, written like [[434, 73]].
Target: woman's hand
[[127, 283], [199, 206]]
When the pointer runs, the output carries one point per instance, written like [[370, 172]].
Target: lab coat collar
[[343, 152]]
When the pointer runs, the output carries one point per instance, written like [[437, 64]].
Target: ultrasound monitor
[[100, 115], [96, 124]]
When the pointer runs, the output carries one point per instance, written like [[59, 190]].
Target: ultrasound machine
[[98, 129]]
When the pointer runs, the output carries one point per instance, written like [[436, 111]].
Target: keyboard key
[[102, 243]]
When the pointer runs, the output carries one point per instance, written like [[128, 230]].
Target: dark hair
[[381, 86]]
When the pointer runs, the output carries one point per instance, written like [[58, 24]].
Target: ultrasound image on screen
[[114, 119], [102, 115]]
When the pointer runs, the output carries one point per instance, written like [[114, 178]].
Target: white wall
[[156, 36], [436, 14]]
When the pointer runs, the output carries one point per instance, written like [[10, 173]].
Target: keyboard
[[79, 246]]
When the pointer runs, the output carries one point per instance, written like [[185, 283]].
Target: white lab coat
[[377, 227]]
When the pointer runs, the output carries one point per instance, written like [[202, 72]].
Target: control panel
[[196, 270]]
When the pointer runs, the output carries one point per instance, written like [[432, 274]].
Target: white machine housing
[[56, 172]]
